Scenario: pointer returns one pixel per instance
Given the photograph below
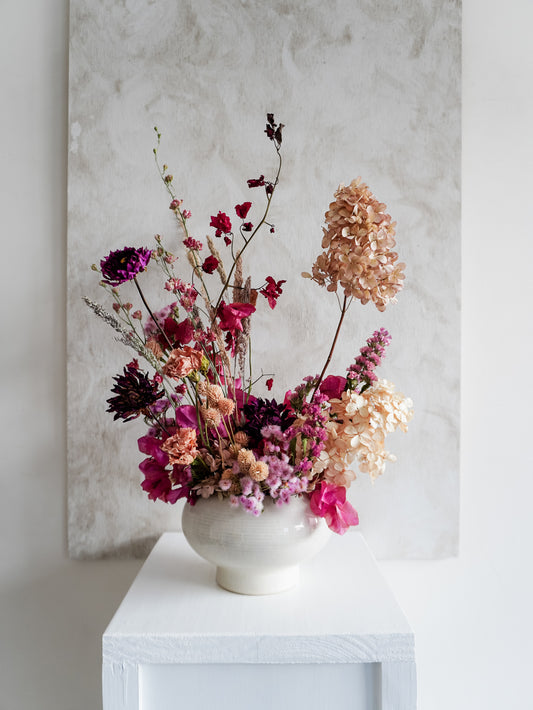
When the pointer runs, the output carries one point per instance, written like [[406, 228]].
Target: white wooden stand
[[338, 640]]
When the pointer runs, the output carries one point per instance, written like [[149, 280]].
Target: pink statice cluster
[[209, 433], [356, 432]]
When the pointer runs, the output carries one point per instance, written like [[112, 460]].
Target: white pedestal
[[339, 639]]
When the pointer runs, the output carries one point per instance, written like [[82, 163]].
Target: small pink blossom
[[186, 214], [191, 243]]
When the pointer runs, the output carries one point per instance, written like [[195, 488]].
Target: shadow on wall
[[51, 643]]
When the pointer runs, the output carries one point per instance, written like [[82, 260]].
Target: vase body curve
[[254, 554]]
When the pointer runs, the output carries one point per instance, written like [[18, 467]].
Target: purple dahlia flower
[[124, 264]]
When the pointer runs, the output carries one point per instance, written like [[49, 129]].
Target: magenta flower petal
[[186, 417], [151, 446], [329, 502], [124, 265], [333, 386], [231, 315], [272, 290]]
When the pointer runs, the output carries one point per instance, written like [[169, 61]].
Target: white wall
[[471, 615]]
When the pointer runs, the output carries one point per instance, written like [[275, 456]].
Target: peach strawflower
[[258, 471], [214, 395], [358, 242], [181, 447], [246, 459], [211, 416], [242, 438], [225, 406]]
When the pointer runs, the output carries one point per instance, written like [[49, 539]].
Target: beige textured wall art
[[363, 88]]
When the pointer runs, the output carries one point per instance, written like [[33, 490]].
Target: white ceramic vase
[[254, 554]]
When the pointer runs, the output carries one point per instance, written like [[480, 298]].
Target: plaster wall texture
[[471, 615], [369, 89]]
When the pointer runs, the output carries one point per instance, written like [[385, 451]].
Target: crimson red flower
[[269, 383], [333, 386], [178, 333], [242, 210], [257, 182], [221, 223], [247, 227], [231, 315], [272, 290], [210, 264]]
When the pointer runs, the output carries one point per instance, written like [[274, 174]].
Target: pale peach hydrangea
[[358, 433], [358, 242]]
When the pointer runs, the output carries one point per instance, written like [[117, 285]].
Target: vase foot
[[257, 581]]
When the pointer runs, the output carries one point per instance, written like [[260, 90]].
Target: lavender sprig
[[361, 372], [127, 338]]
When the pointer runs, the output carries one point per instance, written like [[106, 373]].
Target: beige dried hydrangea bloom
[[364, 420], [358, 242]]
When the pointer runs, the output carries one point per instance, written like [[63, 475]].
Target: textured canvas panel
[[368, 88]]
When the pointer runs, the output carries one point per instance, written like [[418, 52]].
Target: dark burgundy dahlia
[[134, 393], [124, 264], [264, 412]]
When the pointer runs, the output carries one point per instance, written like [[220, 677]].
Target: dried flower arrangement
[[208, 434]]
